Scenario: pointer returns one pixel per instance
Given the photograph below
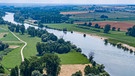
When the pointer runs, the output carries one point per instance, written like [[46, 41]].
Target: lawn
[[12, 59], [9, 38], [30, 49], [114, 36], [73, 58]]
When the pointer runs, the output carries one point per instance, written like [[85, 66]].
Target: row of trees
[[107, 27], [16, 28], [37, 66]]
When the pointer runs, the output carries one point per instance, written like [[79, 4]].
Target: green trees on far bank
[[107, 28], [89, 24]]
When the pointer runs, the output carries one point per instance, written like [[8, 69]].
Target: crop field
[[95, 16], [118, 24], [74, 12]]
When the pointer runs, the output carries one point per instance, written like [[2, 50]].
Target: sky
[[71, 1]]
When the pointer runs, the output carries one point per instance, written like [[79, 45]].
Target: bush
[[4, 35], [78, 73]]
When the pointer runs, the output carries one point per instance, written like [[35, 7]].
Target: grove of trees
[[131, 31], [35, 66]]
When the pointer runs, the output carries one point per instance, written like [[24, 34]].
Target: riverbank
[[96, 36], [113, 36]]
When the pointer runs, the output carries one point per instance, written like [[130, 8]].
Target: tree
[[17, 28], [91, 56], [40, 25], [131, 31], [78, 73], [30, 65], [107, 28], [103, 16], [14, 71], [39, 49], [31, 31], [97, 26], [63, 48], [2, 69], [85, 24], [90, 24], [36, 73], [52, 64], [87, 70], [113, 28], [118, 29], [24, 70], [101, 68], [49, 36], [22, 29]]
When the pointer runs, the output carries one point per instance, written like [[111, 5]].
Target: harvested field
[[122, 25], [13, 46], [68, 70], [74, 12]]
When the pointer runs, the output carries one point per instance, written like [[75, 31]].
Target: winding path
[[25, 44]]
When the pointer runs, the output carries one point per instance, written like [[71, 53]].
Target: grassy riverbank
[[73, 58], [113, 36]]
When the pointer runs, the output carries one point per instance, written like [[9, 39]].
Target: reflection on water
[[117, 62]]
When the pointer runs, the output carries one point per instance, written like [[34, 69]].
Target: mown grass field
[[114, 36], [30, 49], [12, 59], [73, 58]]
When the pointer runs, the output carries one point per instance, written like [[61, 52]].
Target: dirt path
[[25, 44]]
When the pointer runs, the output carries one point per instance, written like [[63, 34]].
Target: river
[[117, 61]]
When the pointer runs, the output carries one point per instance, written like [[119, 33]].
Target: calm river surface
[[117, 62]]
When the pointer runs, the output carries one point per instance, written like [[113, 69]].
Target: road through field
[[25, 44]]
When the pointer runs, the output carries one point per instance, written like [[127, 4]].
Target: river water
[[117, 61]]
